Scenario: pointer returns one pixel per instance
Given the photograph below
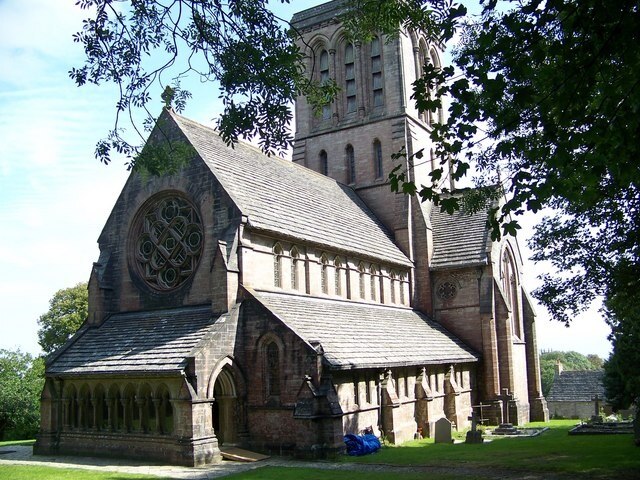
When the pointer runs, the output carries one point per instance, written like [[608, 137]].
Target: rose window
[[447, 290], [168, 242]]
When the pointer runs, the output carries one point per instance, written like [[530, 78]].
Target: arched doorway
[[224, 408]]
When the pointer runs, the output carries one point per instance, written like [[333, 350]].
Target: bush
[[21, 382]]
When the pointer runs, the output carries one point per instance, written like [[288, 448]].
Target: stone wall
[[577, 410], [115, 286]]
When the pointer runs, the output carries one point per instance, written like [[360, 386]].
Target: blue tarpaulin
[[361, 444]]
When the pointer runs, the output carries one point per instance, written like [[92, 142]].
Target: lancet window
[[376, 73], [324, 274], [272, 354], [324, 78], [277, 265], [350, 78], [351, 164], [377, 158], [295, 269], [324, 163]]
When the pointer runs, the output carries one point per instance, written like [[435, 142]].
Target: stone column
[[157, 402], [66, 413], [109, 414], [539, 412]]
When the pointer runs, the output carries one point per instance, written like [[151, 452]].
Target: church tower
[[462, 279], [353, 139]]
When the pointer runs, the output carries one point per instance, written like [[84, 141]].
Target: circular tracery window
[[447, 290], [167, 242]]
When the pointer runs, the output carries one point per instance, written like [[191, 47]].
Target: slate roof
[[146, 343], [281, 197], [459, 240], [577, 386], [360, 335]]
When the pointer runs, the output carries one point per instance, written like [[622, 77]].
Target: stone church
[[277, 305]]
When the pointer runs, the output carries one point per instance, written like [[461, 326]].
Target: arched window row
[[350, 64], [356, 171], [368, 281], [338, 276], [428, 55], [117, 409], [294, 262]]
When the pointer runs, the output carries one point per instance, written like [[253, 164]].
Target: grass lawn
[[294, 473], [28, 472], [587, 456], [553, 451], [17, 442]]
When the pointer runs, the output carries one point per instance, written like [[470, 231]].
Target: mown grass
[[8, 443], [588, 456], [295, 473], [28, 472], [553, 451]]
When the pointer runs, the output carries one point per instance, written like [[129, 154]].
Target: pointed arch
[[324, 274], [361, 280], [350, 164], [277, 265], [374, 282], [377, 159], [510, 282], [271, 350], [295, 268], [392, 287], [338, 273], [324, 163], [165, 410], [403, 284]]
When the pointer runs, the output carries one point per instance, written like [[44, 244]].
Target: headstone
[[443, 431]]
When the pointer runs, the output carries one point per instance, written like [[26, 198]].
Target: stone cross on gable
[[596, 399], [506, 397]]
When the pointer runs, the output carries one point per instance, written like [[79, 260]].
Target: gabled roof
[[577, 386], [460, 239], [145, 343], [287, 199], [360, 335]]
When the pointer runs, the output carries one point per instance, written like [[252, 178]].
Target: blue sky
[[55, 196]]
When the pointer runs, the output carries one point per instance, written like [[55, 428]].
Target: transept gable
[[285, 199]]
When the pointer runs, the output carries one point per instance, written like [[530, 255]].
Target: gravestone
[[506, 427], [474, 435], [443, 431]]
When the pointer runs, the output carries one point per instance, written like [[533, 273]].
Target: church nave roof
[[281, 197], [361, 335]]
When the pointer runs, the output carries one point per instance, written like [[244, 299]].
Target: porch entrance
[[224, 409]]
